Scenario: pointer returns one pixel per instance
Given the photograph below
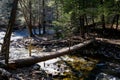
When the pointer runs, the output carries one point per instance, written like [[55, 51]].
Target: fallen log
[[111, 41], [56, 42], [35, 59]]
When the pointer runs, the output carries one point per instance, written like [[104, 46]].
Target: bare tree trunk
[[39, 18], [6, 42], [103, 21], [30, 22], [43, 17], [102, 16], [57, 10], [86, 26], [34, 26], [86, 20], [93, 22], [24, 9], [82, 30], [117, 21], [113, 21]]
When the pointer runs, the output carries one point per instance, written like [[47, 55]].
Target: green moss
[[79, 68]]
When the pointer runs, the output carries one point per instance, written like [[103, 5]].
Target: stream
[[88, 63], [98, 61]]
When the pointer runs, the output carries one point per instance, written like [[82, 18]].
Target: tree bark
[[35, 59], [39, 18], [82, 26], [43, 17], [103, 21], [117, 21], [30, 20], [113, 22], [86, 21], [102, 16], [6, 42], [57, 10], [93, 22], [26, 18]]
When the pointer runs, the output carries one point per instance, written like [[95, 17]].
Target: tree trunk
[[103, 21], [93, 22], [102, 16], [113, 21], [35, 59], [6, 42], [30, 20], [39, 18], [82, 30], [117, 21], [43, 17], [26, 18], [86, 20], [34, 26], [86, 29], [57, 10]]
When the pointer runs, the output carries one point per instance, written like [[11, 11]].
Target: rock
[[2, 65], [15, 77], [4, 74], [3, 78], [37, 72], [2, 58], [40, 73], [103, 76], [36, 67], [50, 32], [53, 50], [101, 65]]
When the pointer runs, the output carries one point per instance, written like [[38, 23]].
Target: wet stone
[[36, 67], [103, 76]]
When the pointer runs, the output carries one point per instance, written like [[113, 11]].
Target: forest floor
[[98, 61]]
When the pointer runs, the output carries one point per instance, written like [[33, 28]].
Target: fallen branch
[[35, 59]]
